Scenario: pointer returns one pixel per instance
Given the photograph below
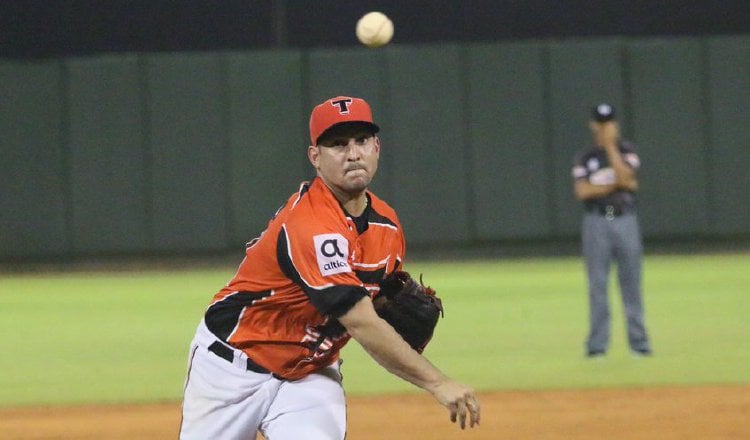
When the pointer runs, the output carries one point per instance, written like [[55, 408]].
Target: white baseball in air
[[374, 29]]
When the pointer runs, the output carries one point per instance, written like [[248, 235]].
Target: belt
[[609, 211], [227, 354]]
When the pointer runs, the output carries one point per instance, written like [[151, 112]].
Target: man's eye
[[362, 140]]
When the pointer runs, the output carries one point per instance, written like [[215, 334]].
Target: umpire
[[605, 181]]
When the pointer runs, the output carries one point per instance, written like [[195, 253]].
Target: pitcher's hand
[[460, 401]]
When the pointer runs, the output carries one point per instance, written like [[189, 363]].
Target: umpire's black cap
[[603, 113]]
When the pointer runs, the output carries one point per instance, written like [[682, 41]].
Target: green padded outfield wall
[[193, 152], [109, 167], [267, 138], [669, 113], [427, 117], [188, 139], [729, 128], [509, 166], [34, 200]]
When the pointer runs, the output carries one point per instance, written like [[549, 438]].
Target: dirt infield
[[650, 413]]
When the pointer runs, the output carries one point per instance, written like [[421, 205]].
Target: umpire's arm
[[390, 350], [585, 190]]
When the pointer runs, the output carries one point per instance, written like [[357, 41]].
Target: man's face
[[603, 132], [347, 161]]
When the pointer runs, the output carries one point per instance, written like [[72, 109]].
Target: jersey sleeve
[[630, 156], [319, 261], [579, 170]]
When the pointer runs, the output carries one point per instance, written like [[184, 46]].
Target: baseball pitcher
[[265, 357]]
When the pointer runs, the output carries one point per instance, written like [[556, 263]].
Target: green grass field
[[96, 337]]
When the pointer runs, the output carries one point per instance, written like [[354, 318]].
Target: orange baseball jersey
[[310, 266]]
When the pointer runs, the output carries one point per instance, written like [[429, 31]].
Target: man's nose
[[353, 150]]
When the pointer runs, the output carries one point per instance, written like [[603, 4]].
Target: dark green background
[[193, 152]]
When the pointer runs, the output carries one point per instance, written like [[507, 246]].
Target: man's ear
[[313, 154]]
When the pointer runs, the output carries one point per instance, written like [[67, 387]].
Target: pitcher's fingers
[[453, 408], [474, 411], [462, 413]]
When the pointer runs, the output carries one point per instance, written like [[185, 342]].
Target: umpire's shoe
[[595, 354]]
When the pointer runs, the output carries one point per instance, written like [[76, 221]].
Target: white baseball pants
[[225, 401]]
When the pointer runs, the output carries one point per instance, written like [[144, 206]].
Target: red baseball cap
[[339, 110]]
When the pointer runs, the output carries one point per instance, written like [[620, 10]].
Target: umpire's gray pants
[[605, 240]]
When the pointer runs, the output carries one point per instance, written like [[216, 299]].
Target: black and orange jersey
[[310, 266]]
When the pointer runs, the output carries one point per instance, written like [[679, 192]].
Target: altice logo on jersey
[[332, 251]]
